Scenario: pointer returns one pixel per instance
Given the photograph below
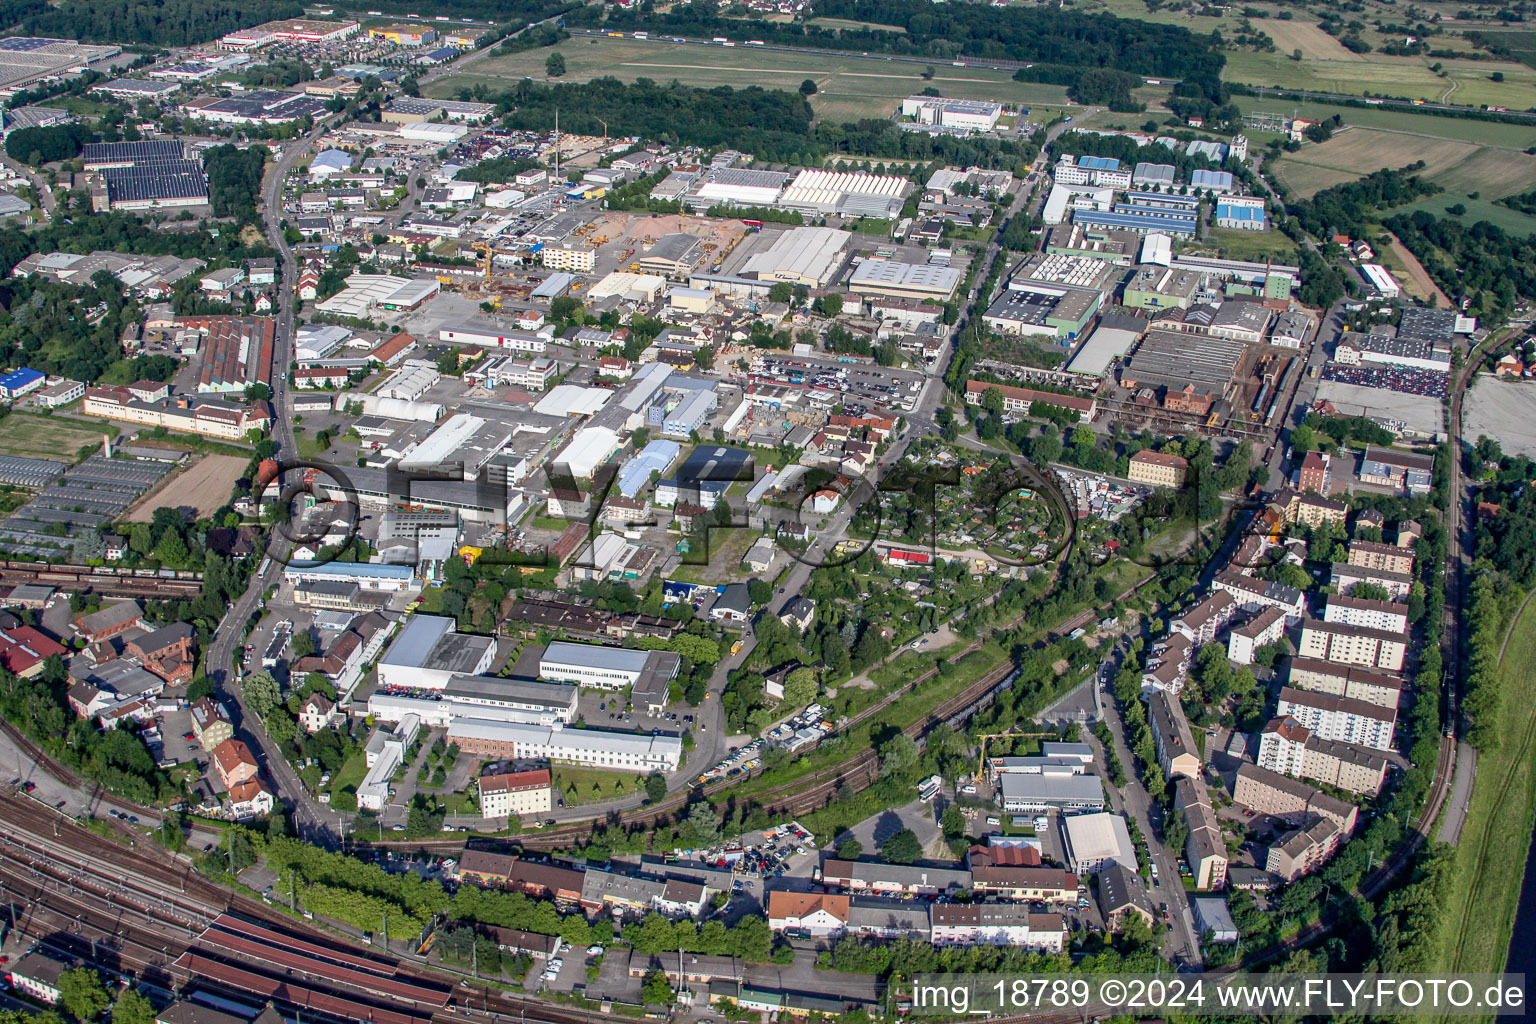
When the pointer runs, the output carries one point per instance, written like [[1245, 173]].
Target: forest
[[1037, 34], [1493, 269], [153, 22], [234, 180], [1353, 206]]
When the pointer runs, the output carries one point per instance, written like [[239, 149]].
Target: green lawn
[[1251, 245], [1466, 82], [848, 87], [351, 773], [1490, 859], [576, 783], [1512, 221], [49, 437]]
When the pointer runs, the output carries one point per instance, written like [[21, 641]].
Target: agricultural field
[[1358, 151], [1466, 82], [1521, 45], [850, 87], [49, 437], [1306, 36], [1429, 126], [205, 487]]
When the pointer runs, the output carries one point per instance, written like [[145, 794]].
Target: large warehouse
[[605, 668], [808, 256], [428, 653], [728, 186], [1172, 360], [904, 280], [847, 193]]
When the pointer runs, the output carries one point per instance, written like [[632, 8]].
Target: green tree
[[901, 848], [898, 755], [800, 687], [850, 849], [303, 644], [554, 65], [132, 1008], [952, 822], [655, 787], [830, 304], [808, 88], [992, 400], [656, 990], [82, 994], [780, 292]]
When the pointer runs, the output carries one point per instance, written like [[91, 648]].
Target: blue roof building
[[1099, 163], [20, 382], [1213, 181], [655, 457], [1241, 213]]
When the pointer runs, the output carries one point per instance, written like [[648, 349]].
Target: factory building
[[958, 114], [904, 280], [428, 653], [620, 751], [804, 255], [846, 194]]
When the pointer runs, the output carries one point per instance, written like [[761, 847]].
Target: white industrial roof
[[587, 450], [926, 277], [1097, 837], [1100, 349], [627, 285], [572, 400], [810, 253], [825, 188]]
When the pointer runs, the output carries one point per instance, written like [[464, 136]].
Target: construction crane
[[490, 251], [605, 126]]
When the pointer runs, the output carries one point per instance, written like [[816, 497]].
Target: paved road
[[224, 653]]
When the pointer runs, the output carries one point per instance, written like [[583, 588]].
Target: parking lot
[[860, 389], [1409, 381]]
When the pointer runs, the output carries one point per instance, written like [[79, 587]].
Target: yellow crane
[[490, 251]]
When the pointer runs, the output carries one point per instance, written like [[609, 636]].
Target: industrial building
[[945, 112], [365, 293], [804, 255], [605, 668], [904, 280], [1094, 841], [729, 186], [1355, 348], [428, 653], [846, 194], [619, 751], [1166, 359], [1243, 213], [1043, 311], [1038, 794], [674, 256]]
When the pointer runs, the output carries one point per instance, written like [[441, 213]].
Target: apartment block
[[1352, 645], [1369, 554], [1263, 629], [1380, 688], [1363, 611], [1267, 792], [1287, 747], [1340, 718], [1176, 751]]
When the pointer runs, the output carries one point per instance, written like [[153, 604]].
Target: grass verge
[[1496, 836]]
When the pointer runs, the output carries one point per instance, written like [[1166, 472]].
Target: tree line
[[1035, 34], [154, 22]]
